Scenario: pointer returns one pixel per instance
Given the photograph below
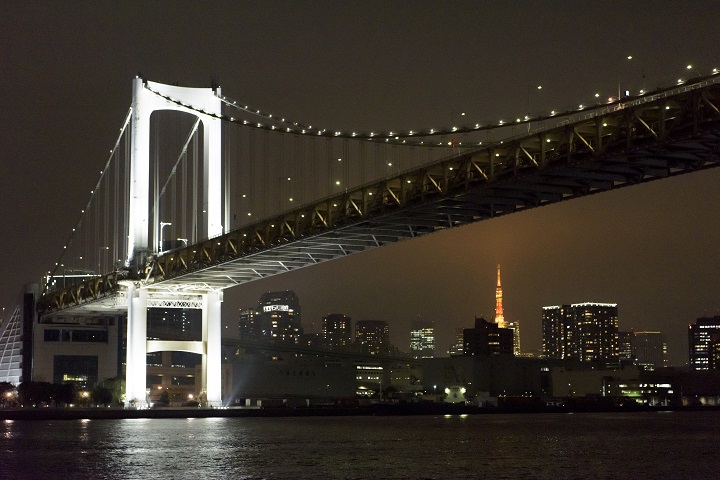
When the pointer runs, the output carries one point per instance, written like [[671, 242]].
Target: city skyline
[[650, 248]]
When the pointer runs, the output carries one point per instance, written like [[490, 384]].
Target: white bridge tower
[[148, 97]]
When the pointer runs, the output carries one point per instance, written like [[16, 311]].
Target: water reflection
[[489, 446]]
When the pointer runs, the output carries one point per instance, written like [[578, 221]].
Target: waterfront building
[[373, 336], [336, 331], [703, 336], [583, 331], [369, 380], [487, 376], [422, 339], [79, 350], [487, 338], [11, 348]]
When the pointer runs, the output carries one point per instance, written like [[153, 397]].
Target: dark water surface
[[677, 445]]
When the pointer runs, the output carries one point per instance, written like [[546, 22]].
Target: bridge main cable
[[407, 137]]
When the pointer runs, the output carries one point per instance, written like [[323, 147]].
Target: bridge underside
[[667, 134]]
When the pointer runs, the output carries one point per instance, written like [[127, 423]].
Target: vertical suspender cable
[[184, 198], [126, 195], [227, 180], [116, 216], [156, 247], [346, 163], [194, 184]]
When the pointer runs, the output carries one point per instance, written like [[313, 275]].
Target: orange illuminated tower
[[499, 316]]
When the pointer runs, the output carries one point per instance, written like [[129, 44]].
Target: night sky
[[65, 78]]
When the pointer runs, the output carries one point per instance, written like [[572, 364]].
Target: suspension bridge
[[201, 193]]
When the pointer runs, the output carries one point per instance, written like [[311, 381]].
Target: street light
[[529, 88], [629, 57], [162, 225]]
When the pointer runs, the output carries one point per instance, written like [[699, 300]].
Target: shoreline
[[47, 413]]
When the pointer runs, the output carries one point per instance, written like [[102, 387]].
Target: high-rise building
[[558, 331], [597, 331], [373, 336], [487, 338], [422, 339], [515, 327], [583, 331], [249, 325], [279, 314], [625, 346], [703, 337], [458, 347], [649, 350], [336, 330]]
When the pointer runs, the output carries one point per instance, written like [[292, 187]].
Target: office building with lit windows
[[372, 336], [558, 332], [625, 347], [703, 338], [458, 346], [249, 327], [279, 315], [422, 339], [336, 331], [587, 332]]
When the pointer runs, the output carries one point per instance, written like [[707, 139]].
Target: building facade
[[422, 339], [587, 332], [249, 327], [649, 350], [279, 314], [703, 337], [336, 331], [79, 350], [558, 332], [487, 338], [372, 336]]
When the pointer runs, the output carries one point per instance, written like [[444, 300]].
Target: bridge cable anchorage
[[403, 137]]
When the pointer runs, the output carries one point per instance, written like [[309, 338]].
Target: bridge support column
[[212, 359], [136, 352]]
